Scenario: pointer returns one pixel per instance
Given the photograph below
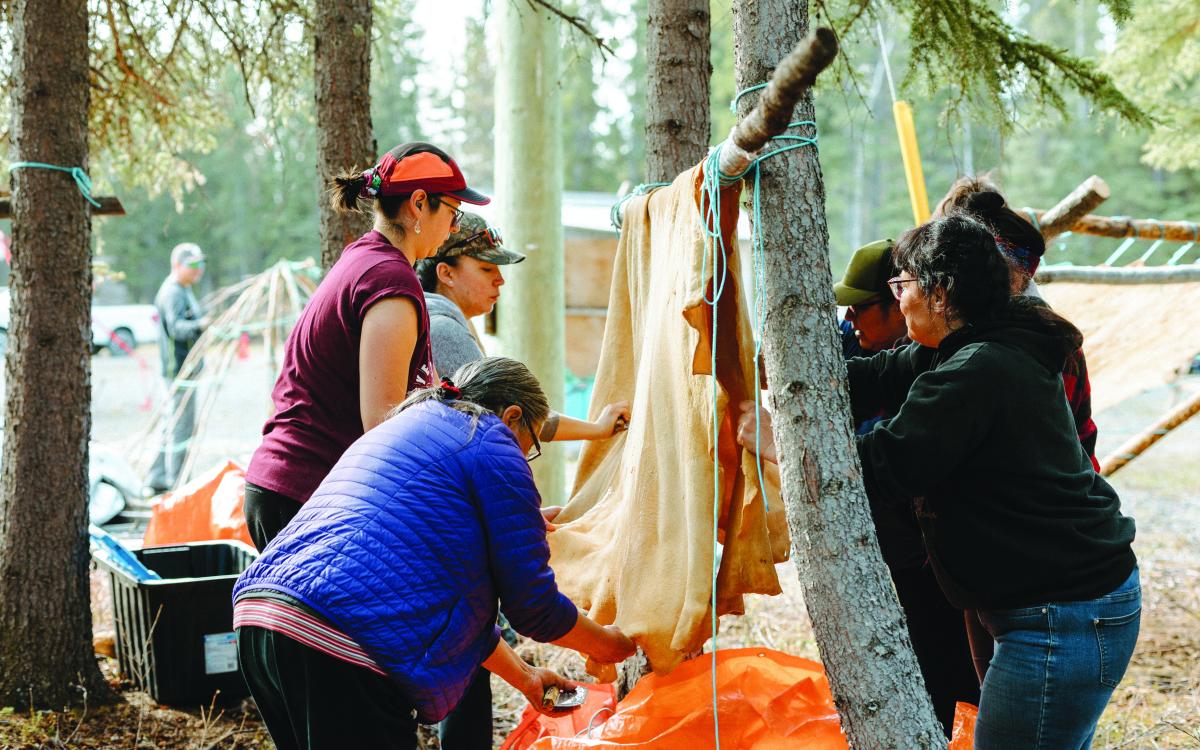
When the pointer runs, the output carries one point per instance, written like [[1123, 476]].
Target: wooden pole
[[1091, 193], [1137, 445], [1119, 226], [794, 76], [1140, 275], [910, 155], [110, 205]]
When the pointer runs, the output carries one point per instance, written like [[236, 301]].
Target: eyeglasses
[[457, 218], [198, 263], [488, 234], [535, 450], [897, 285]]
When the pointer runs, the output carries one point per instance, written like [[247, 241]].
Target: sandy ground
[[1158, 704]]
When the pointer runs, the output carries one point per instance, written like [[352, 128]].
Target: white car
[[118, 328]]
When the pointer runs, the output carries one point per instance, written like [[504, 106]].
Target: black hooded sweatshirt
[[984, 444]]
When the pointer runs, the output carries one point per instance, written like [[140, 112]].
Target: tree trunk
[[529, 158], [45, 622], [856, 617], [345, 138], [678, 72]]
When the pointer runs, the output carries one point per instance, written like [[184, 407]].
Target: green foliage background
[[230, 162]]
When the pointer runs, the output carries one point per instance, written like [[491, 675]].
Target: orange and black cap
[[419, 166]]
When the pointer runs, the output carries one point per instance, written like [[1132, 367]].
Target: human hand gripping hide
[[612, 419], [764, 440]]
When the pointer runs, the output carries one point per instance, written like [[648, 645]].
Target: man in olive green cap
[[873, 319]]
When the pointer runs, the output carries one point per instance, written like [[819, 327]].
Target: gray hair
[[488, 385]]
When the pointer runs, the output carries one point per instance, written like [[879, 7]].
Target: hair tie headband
[[1022, 256], [373, 182], [448, 391]]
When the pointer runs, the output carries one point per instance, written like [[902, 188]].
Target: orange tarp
[[208, 507], [768, 701]]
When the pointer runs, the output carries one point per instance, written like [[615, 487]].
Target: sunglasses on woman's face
[[488, 234]]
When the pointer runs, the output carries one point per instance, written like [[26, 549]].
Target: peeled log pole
[[1138, 444], [1139, 275], [794, 75], [1146, 229], [1091, 193]]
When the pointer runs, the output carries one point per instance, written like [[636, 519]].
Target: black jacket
[[983, 438]]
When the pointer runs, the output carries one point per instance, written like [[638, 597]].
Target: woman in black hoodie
[[1017, 523]]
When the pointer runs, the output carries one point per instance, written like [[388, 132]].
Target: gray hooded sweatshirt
[[451, 335]]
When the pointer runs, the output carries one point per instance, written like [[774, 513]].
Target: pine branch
[[967, 46], [578, 22]]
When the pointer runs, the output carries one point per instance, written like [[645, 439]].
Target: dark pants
[[469, 725], [267, 513], [312, 701], [939, 640]]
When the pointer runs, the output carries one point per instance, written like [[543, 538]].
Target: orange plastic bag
[[600, 703], [207, 508], [964, 727], [768, 701]]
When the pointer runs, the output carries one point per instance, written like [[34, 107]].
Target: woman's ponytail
[[344, 191]]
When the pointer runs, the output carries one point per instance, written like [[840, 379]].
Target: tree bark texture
[[45, 620], [857, 620], [678, 73], [109, 206], [529, 158], [345, 138]]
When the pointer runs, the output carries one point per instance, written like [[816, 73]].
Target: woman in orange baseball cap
[[362, 342]]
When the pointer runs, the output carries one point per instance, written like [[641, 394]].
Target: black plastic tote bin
[[175, 636]]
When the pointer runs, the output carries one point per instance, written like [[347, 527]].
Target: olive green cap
[[866, 274], [475, 238]]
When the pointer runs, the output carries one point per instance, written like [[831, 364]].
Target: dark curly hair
[[981, 199], [426, 269], [958, 254]]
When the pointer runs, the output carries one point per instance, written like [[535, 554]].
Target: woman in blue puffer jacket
[[375, 606]]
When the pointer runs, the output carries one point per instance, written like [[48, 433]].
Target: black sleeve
[[943, 421], [881, 383]]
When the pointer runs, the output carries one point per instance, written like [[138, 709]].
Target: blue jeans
[[1055, 668]]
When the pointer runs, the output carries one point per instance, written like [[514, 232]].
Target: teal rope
[[734, 102], [82, 181], [714, 181], [618, 208]]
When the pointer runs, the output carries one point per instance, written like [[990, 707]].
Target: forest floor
[[1156, 706]]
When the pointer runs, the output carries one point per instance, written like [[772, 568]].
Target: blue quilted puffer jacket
[[408, 543]]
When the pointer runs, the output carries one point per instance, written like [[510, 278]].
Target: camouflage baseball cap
[[475, 238]]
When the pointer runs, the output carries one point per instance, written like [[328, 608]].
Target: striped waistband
[[280, 617]]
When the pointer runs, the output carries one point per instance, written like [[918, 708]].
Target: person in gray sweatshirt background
[[180, 322], [462, 281]]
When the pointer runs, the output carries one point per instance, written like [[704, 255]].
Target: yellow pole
[[912, 161]]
